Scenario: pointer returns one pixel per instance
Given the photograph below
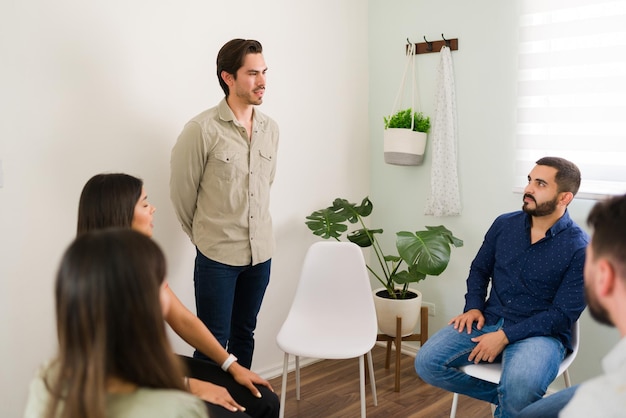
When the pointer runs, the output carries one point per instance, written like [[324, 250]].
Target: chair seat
[[491, 372], [306, 339], [485, 371]]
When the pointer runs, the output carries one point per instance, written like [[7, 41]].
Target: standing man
[[533, 260], [222, 167]]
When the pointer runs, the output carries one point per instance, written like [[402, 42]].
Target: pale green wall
[[485, 76]]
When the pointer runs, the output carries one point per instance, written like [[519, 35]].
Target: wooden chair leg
[[388, 357], [398, 352]]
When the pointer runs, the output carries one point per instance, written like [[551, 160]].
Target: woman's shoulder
[[156, 403]]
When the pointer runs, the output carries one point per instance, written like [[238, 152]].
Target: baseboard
[[277, 369]]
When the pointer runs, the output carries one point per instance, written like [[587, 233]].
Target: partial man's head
[[605, 263]]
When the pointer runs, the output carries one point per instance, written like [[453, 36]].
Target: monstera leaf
[[425, 253]]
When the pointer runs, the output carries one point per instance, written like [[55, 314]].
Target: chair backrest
[[334, 297], [569, 359]]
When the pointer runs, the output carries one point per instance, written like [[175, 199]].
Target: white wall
[[485, 68], [91, 87]]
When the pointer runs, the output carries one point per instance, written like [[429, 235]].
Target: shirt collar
[[226, 114], [564, 222]]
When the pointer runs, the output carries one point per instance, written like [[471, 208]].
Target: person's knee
[[271, 403], [424, 364]]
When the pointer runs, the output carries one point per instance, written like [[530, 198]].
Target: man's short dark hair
[[567, 173], [231, 57], [608, 220]]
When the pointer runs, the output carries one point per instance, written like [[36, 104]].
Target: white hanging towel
[[444, 197]]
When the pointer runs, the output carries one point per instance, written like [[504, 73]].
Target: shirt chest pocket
[[266, 163], [224, 165]]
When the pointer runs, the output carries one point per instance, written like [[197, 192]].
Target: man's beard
[[598, 312], [541, 209]]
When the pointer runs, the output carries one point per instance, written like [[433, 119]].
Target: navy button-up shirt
[[536, 288]]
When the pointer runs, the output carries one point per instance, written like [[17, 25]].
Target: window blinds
[[572, 90]]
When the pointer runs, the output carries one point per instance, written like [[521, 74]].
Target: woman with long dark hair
[[120, 200], [114, 358]]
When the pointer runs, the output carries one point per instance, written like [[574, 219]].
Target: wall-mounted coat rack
[[427, 47]]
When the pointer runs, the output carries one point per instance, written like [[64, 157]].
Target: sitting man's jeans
[[228, 300], [530, 365]]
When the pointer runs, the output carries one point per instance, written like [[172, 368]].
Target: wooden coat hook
[[427, 46]]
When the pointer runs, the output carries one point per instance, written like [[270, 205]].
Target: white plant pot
[[388, 309], [404, 146]]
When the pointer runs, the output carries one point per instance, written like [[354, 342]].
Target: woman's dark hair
[[109, 322], [231, 56], [108, 200]]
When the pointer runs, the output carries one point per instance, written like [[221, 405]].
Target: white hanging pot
[[388, 309], [404, 146]]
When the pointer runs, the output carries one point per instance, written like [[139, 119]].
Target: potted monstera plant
[[418, 255], [405, 137]]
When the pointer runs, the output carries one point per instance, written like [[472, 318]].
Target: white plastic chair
[[332, 315], [491, 372]]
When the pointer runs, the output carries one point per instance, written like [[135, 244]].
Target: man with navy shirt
[[533, 259]]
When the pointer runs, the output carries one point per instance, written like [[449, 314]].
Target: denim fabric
[[550, 406], [529, 366], [228, 299]]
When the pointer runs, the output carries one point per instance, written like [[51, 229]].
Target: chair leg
[[388, 357], [362, 384], [370, 364], [568, 381], [283, 390], [455, 402], [298, 378]]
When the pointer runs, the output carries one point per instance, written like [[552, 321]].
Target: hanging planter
[[405, 139]]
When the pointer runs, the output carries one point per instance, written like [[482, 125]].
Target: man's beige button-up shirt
[[220, 185]]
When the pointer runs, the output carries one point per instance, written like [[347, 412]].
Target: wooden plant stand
[[397, 340]]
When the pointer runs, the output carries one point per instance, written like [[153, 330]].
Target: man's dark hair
[[567, 173], [608, 220], [231, 57]]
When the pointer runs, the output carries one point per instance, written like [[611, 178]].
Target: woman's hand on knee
[[214, 394], [249, 379]]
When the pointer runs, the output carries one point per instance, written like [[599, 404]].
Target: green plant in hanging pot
[[418, 255], [402, 120], [405, 137]]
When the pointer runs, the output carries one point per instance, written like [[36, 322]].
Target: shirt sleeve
[[37, 398], [187, 166], [480, 273]]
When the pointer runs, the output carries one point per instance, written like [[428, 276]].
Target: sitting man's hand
[[466, 319], [488, 346]]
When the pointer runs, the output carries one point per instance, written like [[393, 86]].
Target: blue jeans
[[529, 366], [228, 300], [550, 406]]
